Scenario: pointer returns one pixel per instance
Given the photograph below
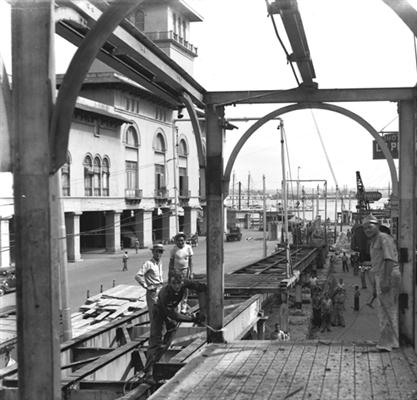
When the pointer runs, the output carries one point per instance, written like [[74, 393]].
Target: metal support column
[[214, 191], [407, 216], [37, 281]]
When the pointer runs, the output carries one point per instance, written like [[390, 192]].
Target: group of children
[[328, 305]]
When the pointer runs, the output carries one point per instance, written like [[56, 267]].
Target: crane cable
[[325, 153]]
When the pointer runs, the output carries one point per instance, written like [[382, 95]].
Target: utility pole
[[249, 189], [264, 215], [317, 200], [240, 196], [233, 190], [298, 192], [284, 193], [304, 204], [312, 205]]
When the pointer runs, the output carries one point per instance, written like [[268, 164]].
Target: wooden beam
[[407, 216], [37, 282], [293, 25], [303, 95], [99, 363], [215, 222]]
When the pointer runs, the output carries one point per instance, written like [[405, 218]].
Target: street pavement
[[99, 269]]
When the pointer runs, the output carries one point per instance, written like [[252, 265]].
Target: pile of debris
[[98, 310]]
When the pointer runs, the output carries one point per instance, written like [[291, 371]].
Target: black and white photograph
[[208, 199]]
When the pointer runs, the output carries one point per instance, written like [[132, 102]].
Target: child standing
[[326, 310], [124, 261], [356, 296]]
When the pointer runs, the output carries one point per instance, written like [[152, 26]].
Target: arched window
[[137, 18], [160, 171], [97, 177], [131, 137], [182, 169], [160, 143], [88, 176], [182, 148], [65, 177], [105, 170]]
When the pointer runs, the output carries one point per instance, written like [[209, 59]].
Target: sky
[[353, 44]]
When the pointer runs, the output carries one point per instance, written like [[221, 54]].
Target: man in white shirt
[[149, 276], [181, 261]]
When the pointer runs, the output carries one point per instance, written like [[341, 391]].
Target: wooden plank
[[260, 363], [347, 371], [286, 377], [315, 382], [378, 379], [405, 378], [280, 354], [332, 373], [390, 377], [227, 378], [303, 372], [363, 385], [192, 375], [102, 361]]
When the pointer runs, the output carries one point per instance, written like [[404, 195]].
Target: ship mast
[[285, 199]]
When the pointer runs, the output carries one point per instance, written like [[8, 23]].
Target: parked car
[[233, 234], [7, 280]]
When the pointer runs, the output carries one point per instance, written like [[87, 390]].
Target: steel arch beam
[[405, 11], [5, 120], [77, 70], [322, 106], [196, 128]]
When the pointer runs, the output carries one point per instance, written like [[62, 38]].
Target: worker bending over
[[166, 315]]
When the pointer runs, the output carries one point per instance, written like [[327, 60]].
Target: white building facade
[[132, 173]]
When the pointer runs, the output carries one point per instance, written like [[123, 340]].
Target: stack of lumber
[[98, 310]]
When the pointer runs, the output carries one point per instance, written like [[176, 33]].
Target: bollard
[[114, 283], [88, 293], [101, 288]]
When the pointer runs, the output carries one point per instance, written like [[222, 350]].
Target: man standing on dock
[[166, 316], [180, 261], [384, 260], [149, 276]]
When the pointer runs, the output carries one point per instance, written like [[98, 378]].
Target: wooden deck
[[281, 370]]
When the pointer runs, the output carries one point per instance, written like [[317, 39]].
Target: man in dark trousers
[[165, 314]]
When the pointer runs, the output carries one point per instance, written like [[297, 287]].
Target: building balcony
[[133, 194], [184, 197], [171, 36], [161, 193]]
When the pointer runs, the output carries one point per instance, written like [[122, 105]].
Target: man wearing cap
[[166, 318], [181, 261], [149, 276], [384, 260]]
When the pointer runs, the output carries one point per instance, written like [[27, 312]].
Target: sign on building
[[391, 139]]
